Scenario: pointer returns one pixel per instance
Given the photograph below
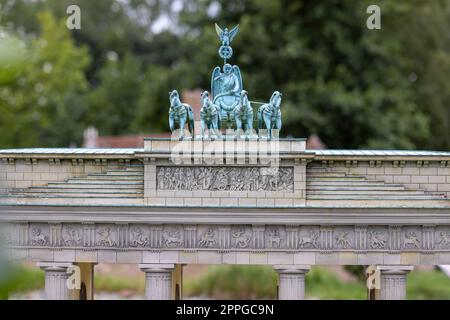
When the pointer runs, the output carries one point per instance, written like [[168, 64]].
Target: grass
[[323, 284], [250, 282], [115, 283], [245, 282], [22, 279], [234, 282], [428, 286]]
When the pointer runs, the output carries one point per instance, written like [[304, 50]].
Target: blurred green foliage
[[352, 86], [244, 282], [249, 282], [234, 282], [21, 279]]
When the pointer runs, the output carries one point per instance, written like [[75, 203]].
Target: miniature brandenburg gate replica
[[232, 192]]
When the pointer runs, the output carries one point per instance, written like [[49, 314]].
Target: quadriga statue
[[209, 116], [269, 114], [243, 114], [181, 114], [225, 88]]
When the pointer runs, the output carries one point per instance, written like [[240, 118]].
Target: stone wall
[[24, 173], [263, 196], [429, 175]]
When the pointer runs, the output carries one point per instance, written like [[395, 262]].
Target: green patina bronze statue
[[243, 114], [226, 87], [209, 116], [269, 114], [225, 36], [230, 105], [181, 114]]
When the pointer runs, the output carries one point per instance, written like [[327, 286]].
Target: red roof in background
[[93, 140], [129, 141]]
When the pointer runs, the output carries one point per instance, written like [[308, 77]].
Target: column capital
[[156, 267], [292, 269], [395, 269], [54, 266], [158, 280]]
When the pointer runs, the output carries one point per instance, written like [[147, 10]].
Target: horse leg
[[182, 127], [171, 124], [203, 127], [213, 127], [249, 126], [268, 126], [238, 126], [279, 126]]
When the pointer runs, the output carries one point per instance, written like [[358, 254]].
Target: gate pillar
[[56, 276], [158, 280], [291, 281], [393, 282]]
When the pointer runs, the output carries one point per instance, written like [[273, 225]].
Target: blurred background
[[343, 85]]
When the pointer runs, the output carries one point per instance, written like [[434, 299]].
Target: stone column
[[158, 280], [291, 282], [56, 276], [393, 282]]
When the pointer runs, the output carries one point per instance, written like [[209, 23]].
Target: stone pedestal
[[393, 282], [158, 281], [291, 283], [56, 276]]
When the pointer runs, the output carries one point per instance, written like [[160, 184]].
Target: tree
[[353, 86], [44, 104], [331, 69]]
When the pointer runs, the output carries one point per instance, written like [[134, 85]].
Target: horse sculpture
[[209, 116], [243, 114], [269, 114], [180, 113]]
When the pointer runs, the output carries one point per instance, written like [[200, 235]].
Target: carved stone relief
[[71, 235], [208, 238], [308, 238], [442, 236], [105, 236], [377, 240], [224, 178], [39, 236], [274, 237], [239, 237], [172, 238], [343, 237], [412, 238], [138, 237]]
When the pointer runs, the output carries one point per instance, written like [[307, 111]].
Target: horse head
[[275, 100], [205, 99], [243, 103], [174, 98]]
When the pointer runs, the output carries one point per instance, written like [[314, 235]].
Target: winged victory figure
[[225, 36]]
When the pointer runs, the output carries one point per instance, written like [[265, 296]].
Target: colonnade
[[164, 281]]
